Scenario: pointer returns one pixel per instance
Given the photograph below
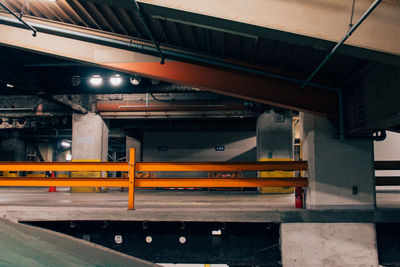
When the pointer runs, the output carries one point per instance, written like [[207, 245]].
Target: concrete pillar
[[136, 144], [341, 174], [89, 137], [328, 244], [274, 136], [89, 143]]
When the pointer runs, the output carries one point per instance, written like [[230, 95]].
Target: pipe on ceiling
[[148, 30], [126, 106], [348, 34]]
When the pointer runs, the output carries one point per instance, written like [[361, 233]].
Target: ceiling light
[[65, 144], [116, 80], [96, 80], [10, 85], [135, 80]]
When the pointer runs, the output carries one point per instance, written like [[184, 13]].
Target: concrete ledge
[[303, 216]]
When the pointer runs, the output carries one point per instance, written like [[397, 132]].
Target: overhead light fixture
[[135, 80], [65, 144], [10, 85], [116, 80], [96, 80]]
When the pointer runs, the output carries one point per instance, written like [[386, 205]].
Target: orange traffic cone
[[52, 188]]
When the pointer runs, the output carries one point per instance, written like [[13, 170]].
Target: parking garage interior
[[199, 133]]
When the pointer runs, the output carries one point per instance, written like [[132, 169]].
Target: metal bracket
[[20, 19]]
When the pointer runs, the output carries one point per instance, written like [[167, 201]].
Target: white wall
[[199, 146], [389, 149]]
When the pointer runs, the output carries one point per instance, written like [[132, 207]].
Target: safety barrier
[[387, 166], [133, 182]]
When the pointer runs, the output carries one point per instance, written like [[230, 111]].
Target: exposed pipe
[[20, 19], [348, 34], [16, 109], [149, 32], [150, 49], [27, 114], [126, 106]]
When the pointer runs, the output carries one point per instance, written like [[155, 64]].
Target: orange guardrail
[[133, 182]]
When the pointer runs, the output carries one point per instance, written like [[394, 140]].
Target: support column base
[[328, 244]]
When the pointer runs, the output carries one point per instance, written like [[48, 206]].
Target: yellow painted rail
[[133, 182], [155, 182], [222, 166], [63, 166]]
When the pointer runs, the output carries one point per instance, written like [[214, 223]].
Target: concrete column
[[341, 174], [274, 136], [328, 244], [136, 144], [89, 137], [89, 143]]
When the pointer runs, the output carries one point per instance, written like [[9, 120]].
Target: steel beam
[[118, 53]]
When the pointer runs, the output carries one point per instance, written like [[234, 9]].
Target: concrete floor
[[23, 245], [33, 204]]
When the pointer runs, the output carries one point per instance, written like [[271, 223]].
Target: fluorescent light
[[96, 80], [10, 85], [65, 144], [116, 80]]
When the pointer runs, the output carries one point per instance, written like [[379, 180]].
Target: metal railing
[[132, 167]]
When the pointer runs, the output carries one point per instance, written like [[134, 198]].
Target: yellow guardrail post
[[131, 173]]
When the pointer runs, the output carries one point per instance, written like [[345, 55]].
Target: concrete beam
[[72, 101], [92, 48]]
